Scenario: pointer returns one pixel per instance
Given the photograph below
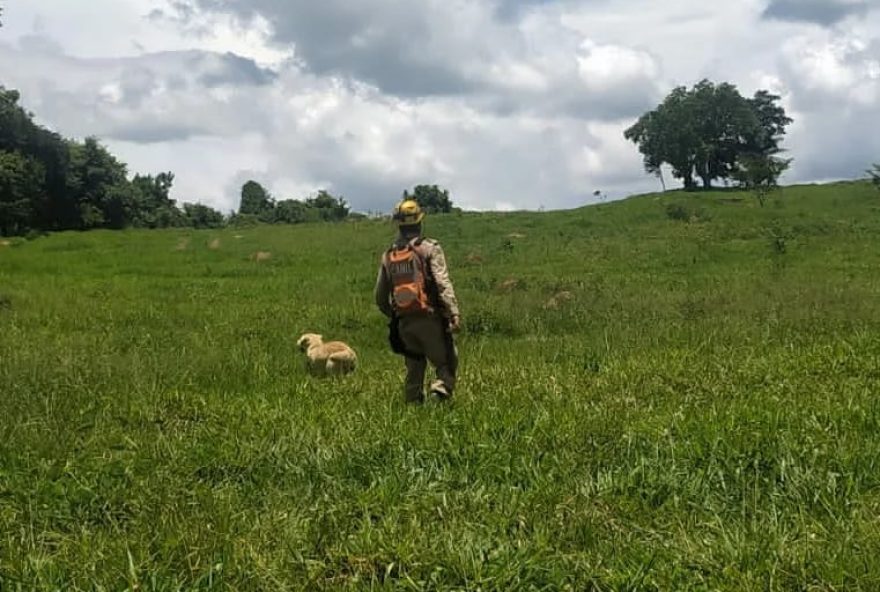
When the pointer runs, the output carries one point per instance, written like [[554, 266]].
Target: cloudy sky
[[508, 103]]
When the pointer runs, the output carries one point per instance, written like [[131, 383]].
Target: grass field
[[674, 392]]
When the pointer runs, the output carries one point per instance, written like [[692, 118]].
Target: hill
[[674, 391]]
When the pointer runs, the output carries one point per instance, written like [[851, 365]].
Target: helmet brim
[[409, 220]]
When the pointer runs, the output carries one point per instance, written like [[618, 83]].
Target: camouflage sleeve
[[382, 292], [440, 273]]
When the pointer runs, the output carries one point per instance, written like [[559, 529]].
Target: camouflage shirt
[[432, 252]]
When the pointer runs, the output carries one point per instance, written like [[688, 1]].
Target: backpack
[[408, 272]]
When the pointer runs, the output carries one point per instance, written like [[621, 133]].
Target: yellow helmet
[[408, 213]]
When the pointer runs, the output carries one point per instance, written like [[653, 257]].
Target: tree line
[[258, 205], [51, 183]]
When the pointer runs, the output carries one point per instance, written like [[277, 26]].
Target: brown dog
[[333, 358]]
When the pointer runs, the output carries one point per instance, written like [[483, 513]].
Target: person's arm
[[445, 291], [382, 292]]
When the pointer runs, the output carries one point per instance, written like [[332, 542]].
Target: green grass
[[700, 414]]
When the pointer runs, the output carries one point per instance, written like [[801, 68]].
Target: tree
[[772, 121], [432, 199], [19, 134], [151, 205], [21, 178], [329, 207], [703, 131], [256, 200], [93, 178], [202, 216], [759, 173], [293, 211], [664, 136], [874, 172], [51, 183], [723, 121]]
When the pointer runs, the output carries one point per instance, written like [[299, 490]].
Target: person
[[414, 291]]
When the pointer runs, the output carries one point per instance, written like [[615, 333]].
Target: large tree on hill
[[432, 198], [703, 132]]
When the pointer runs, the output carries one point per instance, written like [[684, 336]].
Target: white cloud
[[837, 68], [150, 98], [208, 175], [607, 66], [509, 108]]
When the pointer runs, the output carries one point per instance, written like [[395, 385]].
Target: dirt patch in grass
[[558, 300], [511, 284]]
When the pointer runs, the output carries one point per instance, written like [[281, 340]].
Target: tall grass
[[698, 411]]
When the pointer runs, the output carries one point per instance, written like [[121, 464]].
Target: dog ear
[[303, 341]]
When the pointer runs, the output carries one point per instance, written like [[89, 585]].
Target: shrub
[[874, 173], [685, 213]]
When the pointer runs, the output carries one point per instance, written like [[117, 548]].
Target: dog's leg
[[316, 368], [339, 364]]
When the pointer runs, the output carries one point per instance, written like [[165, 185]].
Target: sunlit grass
[[699, 411]]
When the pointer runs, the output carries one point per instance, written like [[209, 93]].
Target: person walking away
[[414, 291]]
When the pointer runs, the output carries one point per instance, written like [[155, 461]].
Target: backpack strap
[[416, 245], [430, 282]]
